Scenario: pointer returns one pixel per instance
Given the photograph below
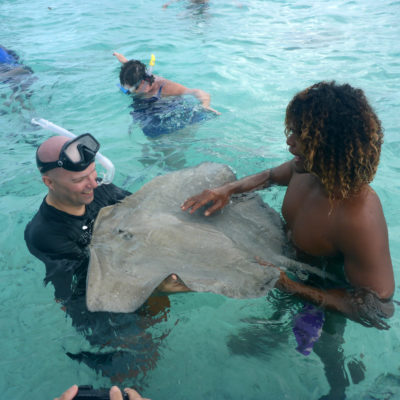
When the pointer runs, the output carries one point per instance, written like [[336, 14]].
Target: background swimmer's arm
[[176, 89], [220, 196], [204, 99], [121, 58], [14, 72], [169, 3]]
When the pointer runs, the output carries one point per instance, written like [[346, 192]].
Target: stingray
[[139, 242]]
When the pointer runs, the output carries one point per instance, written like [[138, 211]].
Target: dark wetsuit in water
[[159, 115], [61, 241]]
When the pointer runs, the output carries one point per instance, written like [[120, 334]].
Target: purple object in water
[[307, 328]]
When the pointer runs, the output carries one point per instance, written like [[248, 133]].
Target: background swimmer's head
[[132, 72], [340, 136]]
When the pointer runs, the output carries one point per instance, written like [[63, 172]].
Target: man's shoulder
[[42, 229], [360, 213], [362, 204], [38, 221], [52, 231]]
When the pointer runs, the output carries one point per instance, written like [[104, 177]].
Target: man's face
[[73, 189], [294, 143]]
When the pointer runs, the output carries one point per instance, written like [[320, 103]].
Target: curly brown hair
[[340, 136]]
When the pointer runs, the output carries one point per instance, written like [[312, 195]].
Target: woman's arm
[[121, 58], [171, 88], [204, 99], [358, 304], [220, 196]]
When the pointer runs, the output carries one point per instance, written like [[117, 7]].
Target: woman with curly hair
[[333, 218], [339, 134], [330, 211]]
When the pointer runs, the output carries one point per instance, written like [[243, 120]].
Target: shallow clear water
[[252, 56]]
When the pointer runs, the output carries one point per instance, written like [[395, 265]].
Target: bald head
[[50, 149], [68, 190]]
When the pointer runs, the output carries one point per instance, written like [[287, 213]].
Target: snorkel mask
[[79, 152], [75, 155], [147, 74]]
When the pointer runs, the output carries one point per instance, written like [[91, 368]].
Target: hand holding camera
[[88, 393]]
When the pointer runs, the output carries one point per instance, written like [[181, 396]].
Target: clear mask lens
[[81, 149]]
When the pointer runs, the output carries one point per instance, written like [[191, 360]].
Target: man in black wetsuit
[[59, 235]]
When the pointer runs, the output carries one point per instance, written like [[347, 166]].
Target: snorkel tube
[[108, 176], [149, 70], [151, 64]]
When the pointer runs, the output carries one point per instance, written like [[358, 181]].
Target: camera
[[86, 392]]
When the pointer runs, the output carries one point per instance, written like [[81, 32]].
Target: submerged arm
[[203, 97], [361, 305]]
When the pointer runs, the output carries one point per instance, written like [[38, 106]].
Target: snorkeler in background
[[10, 65], [15, 75], [165, 5], [159, 105], [134, 78]]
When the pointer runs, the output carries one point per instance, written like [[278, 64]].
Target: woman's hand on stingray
[[283, 280], [219, 197]]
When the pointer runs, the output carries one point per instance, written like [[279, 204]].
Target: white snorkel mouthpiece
[[108, 176]]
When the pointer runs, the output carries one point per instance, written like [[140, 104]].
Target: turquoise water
[[252, 56]]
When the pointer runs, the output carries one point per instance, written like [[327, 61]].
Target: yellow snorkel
[[151, 64]]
